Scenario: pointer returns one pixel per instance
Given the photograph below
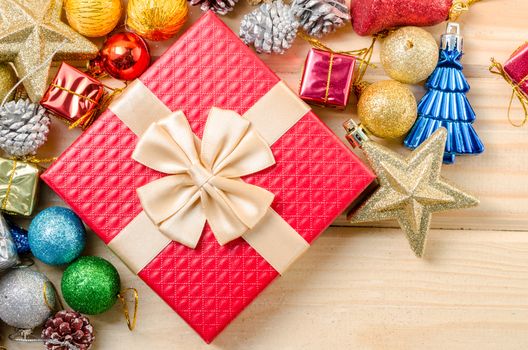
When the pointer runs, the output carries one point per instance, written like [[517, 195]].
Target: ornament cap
[[355, 134], [451, 39]]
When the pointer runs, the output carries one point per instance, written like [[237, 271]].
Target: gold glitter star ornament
[[31, 32], [410, 188]]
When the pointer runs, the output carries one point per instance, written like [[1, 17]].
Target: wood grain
[[362, 288]]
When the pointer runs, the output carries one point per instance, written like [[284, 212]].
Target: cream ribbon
[[203, 181], [140, 241]]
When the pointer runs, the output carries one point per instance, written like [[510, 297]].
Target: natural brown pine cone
[[68, 330]]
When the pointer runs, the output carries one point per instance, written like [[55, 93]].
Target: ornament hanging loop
[[131, 323], [459, 7], [497, 69], [355, 134]]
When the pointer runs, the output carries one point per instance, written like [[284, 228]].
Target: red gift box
[[73, 95], [517, 68], [327, 78], [314, 179]]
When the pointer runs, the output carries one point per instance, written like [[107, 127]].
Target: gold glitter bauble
[[8, 79], [409, 54], [157, 20], [30, 33], [93, 18], [411, 188], [387, 109]]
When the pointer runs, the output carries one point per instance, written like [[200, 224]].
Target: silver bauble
[[22, 301], [8, 252]]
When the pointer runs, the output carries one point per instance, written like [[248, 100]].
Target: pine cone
[[68, 330], [24, 127], [320, 17], [270, 28], [221, 7]]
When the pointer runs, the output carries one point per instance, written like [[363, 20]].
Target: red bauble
[[372, 16], [125, 56]]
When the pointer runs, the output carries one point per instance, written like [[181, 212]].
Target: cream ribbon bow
[[203, 181]]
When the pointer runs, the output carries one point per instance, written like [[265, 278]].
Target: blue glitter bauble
[[20, 237], [56, 236]]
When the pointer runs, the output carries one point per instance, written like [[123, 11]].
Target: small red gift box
[[207, 72], [73, 96], [327, 78], [517, 68]]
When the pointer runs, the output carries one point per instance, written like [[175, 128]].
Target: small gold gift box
[[18, 186]]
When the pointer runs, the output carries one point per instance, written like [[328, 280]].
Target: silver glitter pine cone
[[24, 127], [320, 17], [66, 330], [221, 7], [271, 28]]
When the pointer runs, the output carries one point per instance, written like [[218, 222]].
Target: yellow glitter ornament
[[8, 79], [411, 188], [387, 109], [409, 55], [157, 19], [93, 18]]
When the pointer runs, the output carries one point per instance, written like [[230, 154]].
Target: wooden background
[[362, 287]]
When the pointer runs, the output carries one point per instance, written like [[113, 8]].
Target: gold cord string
[[130, 323], [497, 69], [459, 7], [359, 83], [329, 77]]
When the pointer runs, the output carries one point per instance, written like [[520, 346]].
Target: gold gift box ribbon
[[18, 186]]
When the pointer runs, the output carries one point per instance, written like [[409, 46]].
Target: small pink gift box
[[517, 68], [327, 78]]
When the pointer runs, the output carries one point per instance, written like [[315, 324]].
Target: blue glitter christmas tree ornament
[[445, 104]]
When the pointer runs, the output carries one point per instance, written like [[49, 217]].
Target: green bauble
[[8, 79], [90, 285]]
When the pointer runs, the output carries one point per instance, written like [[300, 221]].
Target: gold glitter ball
[[387, 109], [409, 55], [30, 32], [411, 188], [8, 79], [93, 18]]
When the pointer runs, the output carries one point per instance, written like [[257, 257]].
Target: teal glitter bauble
[[56, 236], [90, 285]]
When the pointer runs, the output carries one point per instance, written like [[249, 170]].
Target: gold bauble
[[157, 19], [409, 55], [93, 18], [387, 109], [8, 79]]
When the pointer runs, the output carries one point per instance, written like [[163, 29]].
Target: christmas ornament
[[74, 97], [156, 20], [8, 252], [93, 18], [411, 188], [18, 186], [56, 236], [320, 17], [32, 35], [90, 285], [373, 16], [125, 56], [409, 55], [387, 109], [327, 78], [24, 127], [445, 104], [8, 79], [67, 330], [271, 28], [26, 298], [20, 237], [221, 7], [515, 73]]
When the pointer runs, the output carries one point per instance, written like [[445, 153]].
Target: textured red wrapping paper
[[315, 178], [517, 67]]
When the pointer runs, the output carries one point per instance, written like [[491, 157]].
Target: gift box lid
[[314, 179]]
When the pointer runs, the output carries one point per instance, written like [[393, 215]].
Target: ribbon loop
[[204, 177]]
